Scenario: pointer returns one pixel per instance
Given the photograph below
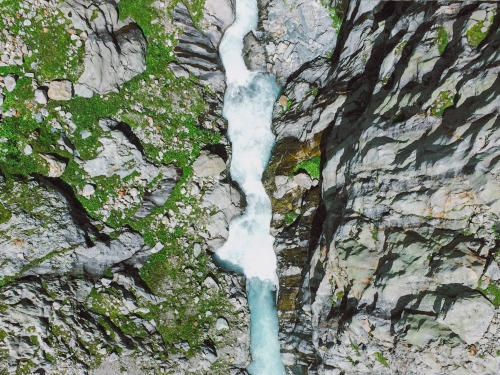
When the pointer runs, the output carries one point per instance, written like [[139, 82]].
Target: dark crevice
[[77, 211]]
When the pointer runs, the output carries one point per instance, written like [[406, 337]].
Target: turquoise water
[[248, 108]]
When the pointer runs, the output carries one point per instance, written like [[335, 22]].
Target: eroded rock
[[115, 50]]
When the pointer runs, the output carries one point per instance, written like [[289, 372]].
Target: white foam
[[248, 107]]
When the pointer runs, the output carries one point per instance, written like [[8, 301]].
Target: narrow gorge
[[249, 187], [248, 107]]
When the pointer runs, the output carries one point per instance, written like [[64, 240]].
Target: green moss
[[475, 36], [49, 357], [287, 106], [380, 357], [95, 14], [496, 232], [442, 39], [290, 217], [5, 214], [314, 91], [400, 47], [355, 348], [108, 272], [109, 306], [375, 233], [493, 293], [311, 166], [336, 14], [444, 100], [34, 340]]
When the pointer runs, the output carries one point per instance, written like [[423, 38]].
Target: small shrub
[[311, 166], [475, 36], [380, 357], [444, 101], [442, 39], [290, 217]]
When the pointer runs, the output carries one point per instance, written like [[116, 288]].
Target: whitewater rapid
[[248, 107]]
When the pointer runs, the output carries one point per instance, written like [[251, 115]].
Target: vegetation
[[5, 214], [380, 357], [444, 100], [336, 14], [311, 166], [157, 105], [400, 47], [290, 217], [475, 35], [492, 291], [442, 39]]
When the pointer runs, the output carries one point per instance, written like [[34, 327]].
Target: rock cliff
[[395, 269]]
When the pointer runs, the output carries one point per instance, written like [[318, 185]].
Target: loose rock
[[60, 90]]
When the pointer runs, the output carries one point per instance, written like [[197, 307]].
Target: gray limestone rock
[[120, 154], [115, 50], [218, 15], [296, 33], [196, 52], [56, 165], [406, 228], [60, 90], [208, 165], [10, 82], [226, 200], [469, 316], [254, 53], [41, 96]]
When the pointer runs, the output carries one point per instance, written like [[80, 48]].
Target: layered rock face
[[396, 270]]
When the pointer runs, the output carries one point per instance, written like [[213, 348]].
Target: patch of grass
[[109, 306], [380, 357], [54, 53], [356, 349], [442, 39], [311, 166], [314, 91], [493, 293], [444, 100], [375, 233], [400, 47], [336, 14], [496, 232], [475, 36], [288, 105], [5, 214], [290, 217]]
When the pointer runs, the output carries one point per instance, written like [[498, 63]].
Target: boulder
[[10, 82], [115, 50], [60, 90], [208, 165], [56, 166], [469, 316], [41, 96]]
